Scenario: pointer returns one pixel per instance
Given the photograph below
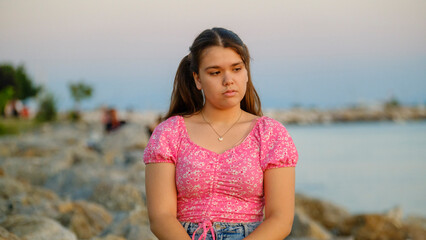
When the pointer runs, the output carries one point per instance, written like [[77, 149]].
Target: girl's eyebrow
[[232, 65]]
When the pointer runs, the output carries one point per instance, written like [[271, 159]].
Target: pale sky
[[327, 53]]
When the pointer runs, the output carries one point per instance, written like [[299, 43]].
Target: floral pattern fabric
[[226, 187]]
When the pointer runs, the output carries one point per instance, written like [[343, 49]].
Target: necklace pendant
[[220, 139]]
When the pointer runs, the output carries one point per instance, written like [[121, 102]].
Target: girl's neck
[[215, 115]]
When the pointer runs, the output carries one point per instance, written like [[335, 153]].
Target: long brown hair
[[186, 98]]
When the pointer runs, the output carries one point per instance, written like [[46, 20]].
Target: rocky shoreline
[[377, 113], [302, 116], [71, 181]]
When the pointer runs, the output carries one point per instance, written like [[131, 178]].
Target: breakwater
[[354, 114]]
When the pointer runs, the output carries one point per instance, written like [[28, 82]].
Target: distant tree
[[26, 89], [7, 76], [79, 91], [5, 95], [17, 78], [393, 102], [47, 109], [15, 84]]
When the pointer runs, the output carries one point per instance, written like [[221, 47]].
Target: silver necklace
[[220, 137]]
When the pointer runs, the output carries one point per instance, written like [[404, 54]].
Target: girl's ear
[[197, 80]]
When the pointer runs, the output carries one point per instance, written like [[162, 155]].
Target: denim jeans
[[223, 231]]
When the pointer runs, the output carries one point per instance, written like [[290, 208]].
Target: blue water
[[364, 167]]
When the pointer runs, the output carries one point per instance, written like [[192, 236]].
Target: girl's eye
[[237, 69], [214, 73]]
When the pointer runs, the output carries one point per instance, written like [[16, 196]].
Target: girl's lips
[[230, 93]]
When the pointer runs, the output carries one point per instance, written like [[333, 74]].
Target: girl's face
[[222, 76]]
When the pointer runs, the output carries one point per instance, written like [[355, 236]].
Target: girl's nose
[[227, 78]]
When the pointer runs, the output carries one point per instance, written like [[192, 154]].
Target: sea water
[[364, 167]]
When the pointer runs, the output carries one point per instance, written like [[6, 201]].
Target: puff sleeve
[[277, 148], [164, 142]]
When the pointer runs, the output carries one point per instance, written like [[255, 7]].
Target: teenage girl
[[216, 162]]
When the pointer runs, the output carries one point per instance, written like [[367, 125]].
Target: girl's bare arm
[[279, 205], [162, 202]]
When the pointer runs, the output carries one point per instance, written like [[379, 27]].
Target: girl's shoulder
[[173, 121], [164, 141], [277, 146], [268, 124], [172, 126]]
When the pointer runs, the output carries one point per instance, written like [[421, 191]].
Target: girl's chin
[[230, 104]]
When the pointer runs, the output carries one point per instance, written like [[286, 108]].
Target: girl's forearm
[[168, 227], [271, 228]]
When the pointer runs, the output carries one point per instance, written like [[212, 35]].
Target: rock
[[414, 227], [414, 232], [304, 226], [36, 228], [136, 174], [21, 198], [136, 177], [79, 181], [9, 187], [132, 157], [82, 154], [372, 226], [117, 197], [28, 147], [36, 170], [85, 219], [325, 213], [34, 151], [5, 209], [140, 232], [123, 140], [415, 220], [110, 237], [395, 214], [6, 235], [76, 183], [132, 226], [7, 146]]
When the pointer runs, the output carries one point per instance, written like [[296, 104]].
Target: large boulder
[[414, 227], [82, 154], [109, 237], [29, 147], [36, 228], [415, 220], [372, 226], [6, 235], [325, 213], [305, 227], [133, 225], [10, 187], [85, 219], [22, 198], [414, 231], [79, 181], [8, 146], [36, 170], [117, 196], [76, 183], [37, 156]]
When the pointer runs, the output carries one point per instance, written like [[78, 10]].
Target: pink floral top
[[226, 187]]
